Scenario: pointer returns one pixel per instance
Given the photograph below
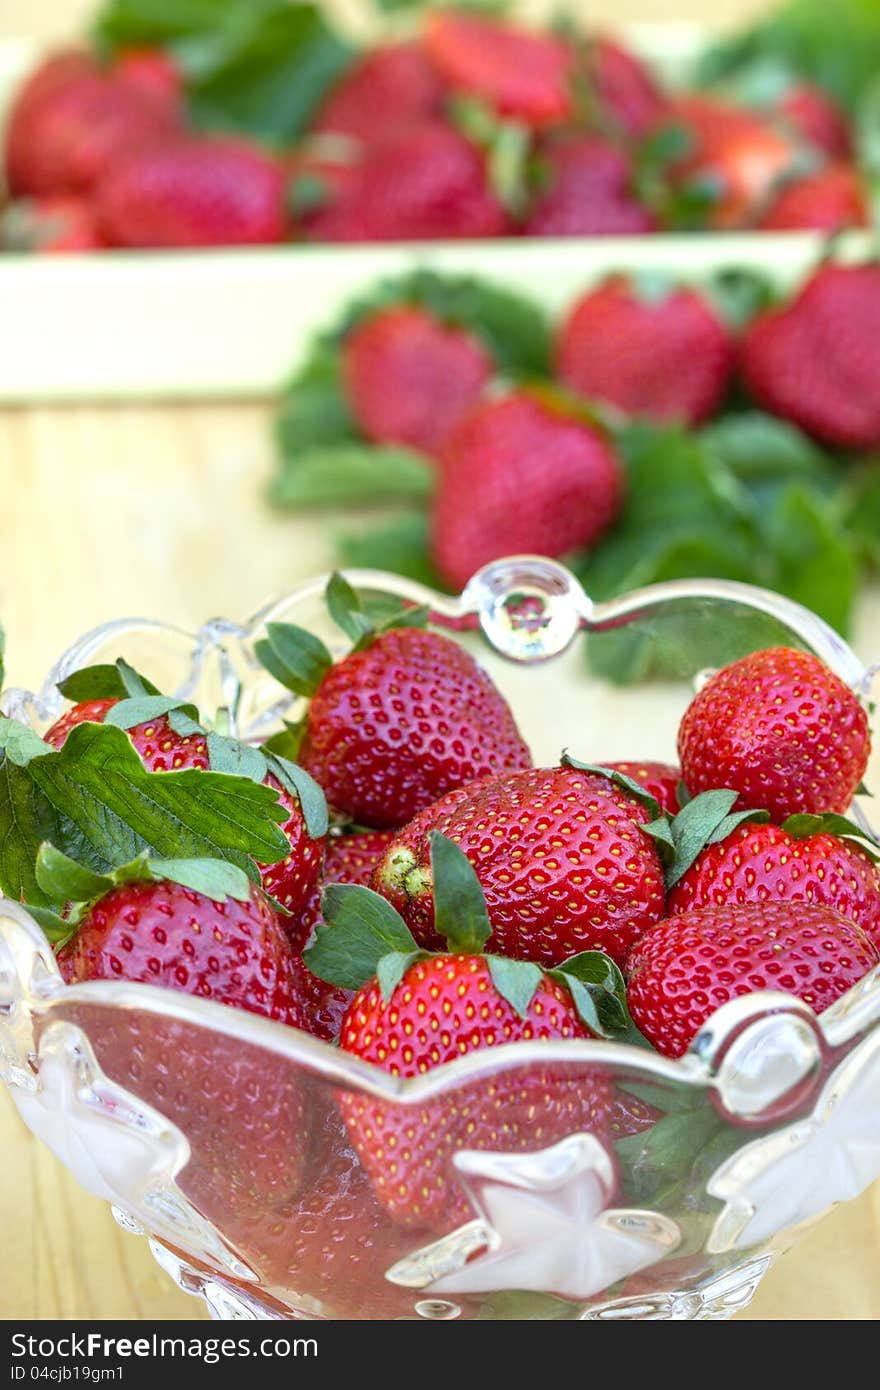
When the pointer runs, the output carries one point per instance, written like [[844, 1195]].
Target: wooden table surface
[[158, 510]]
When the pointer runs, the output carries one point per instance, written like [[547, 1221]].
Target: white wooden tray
[[234, 322]]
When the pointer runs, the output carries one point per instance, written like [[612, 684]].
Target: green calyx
[[363, 936], [71, 888], [705, 820], [803, 826], [299, 660], [634, 789]]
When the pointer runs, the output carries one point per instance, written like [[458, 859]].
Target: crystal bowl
[[771, 1117]]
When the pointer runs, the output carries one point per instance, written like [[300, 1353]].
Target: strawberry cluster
[[477, 127], [453, 898]]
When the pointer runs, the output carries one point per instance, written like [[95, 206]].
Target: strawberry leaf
[[310, 796], [141, 709], [650, 1161], [214, 878], [351, 473], [20, 743], [400, 545], [692, 829], [515, 980], [286, 743], [117, 682], [240, 759], [183, 723], [296, 658], [635, 789], [346, 610], [599, 993], [56, 929], [829, 823], [391, 970], [730, 823], [63, 880], [359, 928], [460, 914]]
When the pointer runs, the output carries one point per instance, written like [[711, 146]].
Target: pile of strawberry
[[225, 133], [528, 439], [457, 899]]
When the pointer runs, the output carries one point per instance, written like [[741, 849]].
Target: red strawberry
[[627, 1115], [817, 119], [586, 190], [392, 727], [154, 73], [193, 191], [781, 729], [688, 966], [520, 74], [323, 1006], [291, 881], [69, 123], [443, 1008], [626, 91], [833, 198], [560, 856], [427, 182], [409, 378], [383, 93], [737, 155], [58, 223], [521, 475], [763, 863], [659, 780], [163, 934], [316, 182], [815, 360], [665, 354]]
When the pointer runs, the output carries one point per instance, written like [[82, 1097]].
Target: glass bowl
[[218, 1133]]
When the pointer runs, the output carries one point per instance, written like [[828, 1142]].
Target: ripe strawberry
[[625, 89], [192, 191], [521, 74], [409, 378], [665, 354], [736, 156], [155, 74], [833, 198], [659, 780], [443, 1008], [49, 224], [382, 94], [323, 1006], [292, 880], [427, 182], [392, 727], [559, 854], [817, 119], [763, 863], [586, 190], [69, 123], [815, 360], [779, 728], [627, 1115], [521, 475], [688, 966]]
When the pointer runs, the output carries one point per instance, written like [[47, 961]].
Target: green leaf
[[230, 755], [295, 657], [739, 294], [654, 1159], [392, 968], [63, 880], [761, 449], [215, 878], [635, 789], [730, 823], [346, 610], [400, 546], [359, 928], [183, 723], [829, 823], [860, 504], [95, 801], [303, 786], [256, 66], [812, 561], [693, 827], [594, 976], [140, 709], [314, 412], [460, 914], [116, 682], [515, 980], [669, 1098], [286, 743], [56, 929], [352, 474], [20, 743]]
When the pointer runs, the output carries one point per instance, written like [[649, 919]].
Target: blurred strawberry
[[521, 475], [317, 178], [154, 73], [426, 183], [827, 201], [49, 224], [665, 354], [193, 191], [817, 119], [625, 90], [409, 379], [520, 74], [384, 93], [70, 121], [586, 190]]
